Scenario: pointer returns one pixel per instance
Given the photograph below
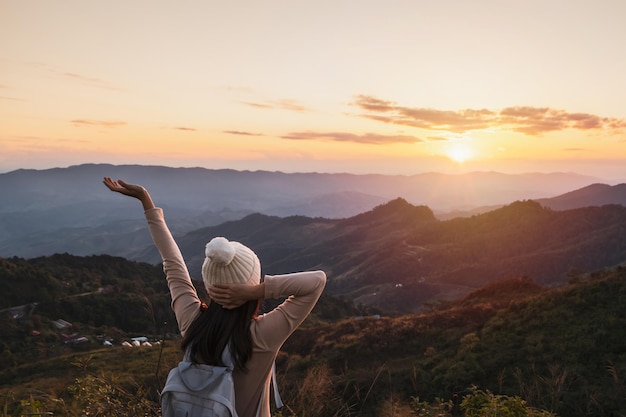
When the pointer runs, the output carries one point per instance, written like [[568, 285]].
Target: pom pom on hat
[[229, 262], [220, 250]]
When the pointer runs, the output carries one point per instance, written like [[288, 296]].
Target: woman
[[231, 275]]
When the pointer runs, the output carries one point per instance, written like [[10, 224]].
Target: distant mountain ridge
[[591, 195], [263, 191], [68, 210]]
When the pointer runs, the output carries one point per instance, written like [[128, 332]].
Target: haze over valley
[[380, 238]]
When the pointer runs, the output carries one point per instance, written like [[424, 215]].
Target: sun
[[459, 152]]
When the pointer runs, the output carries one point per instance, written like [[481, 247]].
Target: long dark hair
[[217, 327]]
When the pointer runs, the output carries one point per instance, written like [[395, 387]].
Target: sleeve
[[303, 289], [185, 301]]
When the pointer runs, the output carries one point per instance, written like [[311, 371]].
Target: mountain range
[[68, 210], [399, 257], [381, 251]]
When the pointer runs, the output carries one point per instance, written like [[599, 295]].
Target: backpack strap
[[277, 400]]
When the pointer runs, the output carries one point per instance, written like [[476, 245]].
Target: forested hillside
[[560, 350], [400, 258], [102, 298]]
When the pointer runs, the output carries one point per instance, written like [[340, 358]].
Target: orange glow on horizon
[[167, 91]]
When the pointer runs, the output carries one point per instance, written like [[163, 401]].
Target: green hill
[[560, 349]]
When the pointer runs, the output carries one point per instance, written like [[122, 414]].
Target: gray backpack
[[197, 390]]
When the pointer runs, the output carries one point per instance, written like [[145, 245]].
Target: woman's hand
[[235, 295], [131, 190]]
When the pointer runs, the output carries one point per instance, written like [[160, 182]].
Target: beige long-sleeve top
[[269, 331]]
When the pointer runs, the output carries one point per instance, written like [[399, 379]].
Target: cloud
[[187, 129], [239, 132], [523, 119], [97, 123], [74, 77], [39, 143], [452, 121], [237, 89], [93, 82], [11, 98], [537, 120], [283, 104], [368, 138], [6, 87]]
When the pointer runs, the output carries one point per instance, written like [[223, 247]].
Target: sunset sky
[[360, 86]]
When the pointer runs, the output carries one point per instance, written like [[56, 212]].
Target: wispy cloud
[[452, 121], [97, 123], [90, 81], [6, 87], [537, 120], [237, 89], [369, 138], [73, 77], [186, 129], [242, 133], [523, 119], [282, 104], [38, 143]]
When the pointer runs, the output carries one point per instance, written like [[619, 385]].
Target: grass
[[54, 375]]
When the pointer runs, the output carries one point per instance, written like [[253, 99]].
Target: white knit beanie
[[229, 262]]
